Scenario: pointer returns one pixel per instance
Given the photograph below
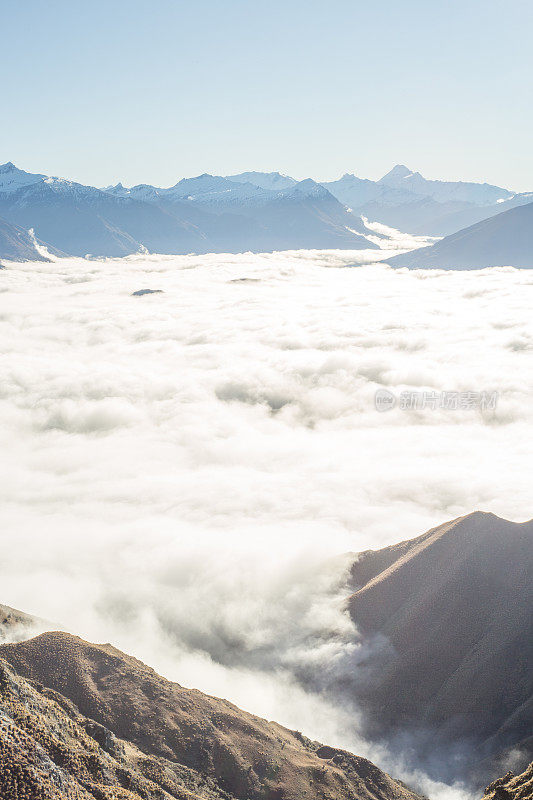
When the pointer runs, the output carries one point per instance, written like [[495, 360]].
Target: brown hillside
[[512, 787], [15, 625], [184, 732]]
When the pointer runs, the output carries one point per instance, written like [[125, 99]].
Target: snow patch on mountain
[[274, 181], [12, 178]]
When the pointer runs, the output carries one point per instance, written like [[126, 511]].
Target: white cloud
[[394, 240], [183, 471]]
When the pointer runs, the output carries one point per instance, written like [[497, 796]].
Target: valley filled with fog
[[186, 472]]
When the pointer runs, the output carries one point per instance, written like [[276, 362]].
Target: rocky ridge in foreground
[[82, 721], [512, 787]]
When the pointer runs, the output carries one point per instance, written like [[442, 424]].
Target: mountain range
[[407, 201], [401, 199], [251, 211], [204, 214]]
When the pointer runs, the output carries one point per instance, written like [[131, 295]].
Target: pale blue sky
[[143, 91]]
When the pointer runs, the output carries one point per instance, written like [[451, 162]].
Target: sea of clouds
[[186, 473]]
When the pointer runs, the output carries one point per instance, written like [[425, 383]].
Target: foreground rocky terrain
[[512, 787], [86, 721]]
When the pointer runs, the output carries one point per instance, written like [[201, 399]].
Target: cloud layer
[[184, 471]]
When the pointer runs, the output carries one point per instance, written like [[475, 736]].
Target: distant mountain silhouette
[[265, 180], [197, 215], [300, 215], [250, 211], [405, 200], [502, 240]]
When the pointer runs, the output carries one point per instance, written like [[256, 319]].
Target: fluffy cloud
[[184, 471]]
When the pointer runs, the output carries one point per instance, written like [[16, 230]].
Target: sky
[[152, 91]]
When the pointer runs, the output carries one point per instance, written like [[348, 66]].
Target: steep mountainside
[[17, 245], [12, 179], [502, 240], [91, 722], [448, 628]]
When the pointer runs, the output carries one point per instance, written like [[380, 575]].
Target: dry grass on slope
[[235, 753], [512, 787]]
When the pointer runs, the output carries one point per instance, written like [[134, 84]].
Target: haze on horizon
[[137, 92]]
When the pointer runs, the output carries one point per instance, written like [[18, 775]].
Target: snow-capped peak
[[397, 173], [306, 188], [12, 178], [270, 181]]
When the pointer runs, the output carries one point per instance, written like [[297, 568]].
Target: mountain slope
[[16, 244], [308, 216], [12, 179], [80, 219], [48, 751], [502, 240], [447, 621], [191, 745], [512, 787], [450, 218], [15, 625]]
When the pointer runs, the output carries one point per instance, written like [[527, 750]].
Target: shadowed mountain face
[[502, 240], [447, 620], [91, 720]]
